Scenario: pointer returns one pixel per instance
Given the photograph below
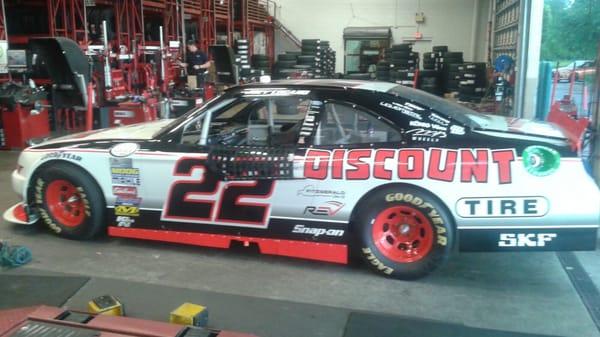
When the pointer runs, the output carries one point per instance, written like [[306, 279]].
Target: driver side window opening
[[253, 121], [344, 123]]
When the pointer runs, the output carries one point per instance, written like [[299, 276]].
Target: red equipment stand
[[50, 321], [20, 125]]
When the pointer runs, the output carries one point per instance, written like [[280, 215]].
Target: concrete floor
[[528, 293]]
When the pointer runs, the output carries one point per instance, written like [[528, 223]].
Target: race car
[[322, 170]]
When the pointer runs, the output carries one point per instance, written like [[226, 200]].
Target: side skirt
[[329, 252]]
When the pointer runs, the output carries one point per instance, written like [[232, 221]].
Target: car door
[[240, 168]]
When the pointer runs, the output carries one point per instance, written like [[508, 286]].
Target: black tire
[[285, 64], [65, 181], [452, 60], [429, 66], [402, 46], [424, 216], [429, 73], [453, 84], [429, 81], [436, 49], [455, 67], [286, 57], [382, 73], [306, 59], [260, 64], [479, 66], [260, 57], [403, 54], [472, 90], [310, 41]]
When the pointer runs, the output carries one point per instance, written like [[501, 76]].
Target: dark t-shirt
[[195, 59]]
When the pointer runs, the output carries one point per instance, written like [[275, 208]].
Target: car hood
[[520, 126], [141, 131]]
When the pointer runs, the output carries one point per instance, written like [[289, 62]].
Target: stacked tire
[[404, 77], [327, 66], [312, 50], [429, 61], [437, 53], [402, 61], [452, 77], [242, 59], [449, 63], [473, 82], [285, 64], [429, 81], [261, 64], [402, 56], [382, 71]]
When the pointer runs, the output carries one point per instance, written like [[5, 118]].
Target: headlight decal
[[540, 160]]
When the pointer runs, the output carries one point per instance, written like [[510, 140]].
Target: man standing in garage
[[196, 62]]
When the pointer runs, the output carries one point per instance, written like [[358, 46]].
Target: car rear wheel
[[403, 233], [69, 202]]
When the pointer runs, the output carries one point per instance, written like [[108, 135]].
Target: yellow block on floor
[[190, 314], [106, 305]]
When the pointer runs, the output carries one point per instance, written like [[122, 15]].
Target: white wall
[[447, 22]]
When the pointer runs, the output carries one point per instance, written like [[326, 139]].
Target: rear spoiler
[[563, 113]]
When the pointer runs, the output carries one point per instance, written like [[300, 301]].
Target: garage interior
[[131, 53]]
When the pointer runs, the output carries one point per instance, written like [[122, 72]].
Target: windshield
[[185, 118]]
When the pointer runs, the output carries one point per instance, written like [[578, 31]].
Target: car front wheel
[[69, 202], [403, 233]]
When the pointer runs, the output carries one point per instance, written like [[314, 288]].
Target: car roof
[[327, 83], [439, 104]]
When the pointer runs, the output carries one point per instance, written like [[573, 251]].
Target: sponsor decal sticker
[[301, 229], [122, 172], [329, 208], [457, 130], [525, 239], [424, 135], [541, 161], [61, 155], [124, 149], [274, 92], [427, 125], [404, 109], [125, 221], [313, 191], [310, 121], [500, 207], [125, 191], [448, 165], [127, 210], [438, 119], [127, 206]]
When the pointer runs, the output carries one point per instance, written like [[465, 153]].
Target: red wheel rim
[[65, 203], [402, 234]]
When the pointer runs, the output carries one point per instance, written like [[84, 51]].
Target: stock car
[[322, 170]]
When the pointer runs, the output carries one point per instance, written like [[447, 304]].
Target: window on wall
[[360, 54], [569, 50], [364, 46]]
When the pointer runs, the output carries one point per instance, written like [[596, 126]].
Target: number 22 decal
[[212, 201]]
